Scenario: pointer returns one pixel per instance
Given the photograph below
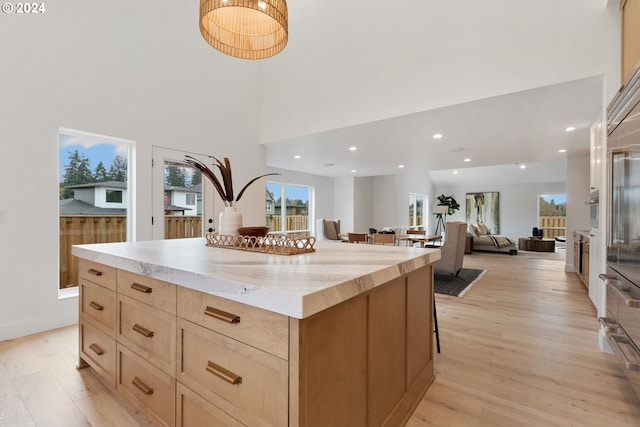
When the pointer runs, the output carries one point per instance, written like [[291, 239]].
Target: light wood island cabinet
[[358, 350]]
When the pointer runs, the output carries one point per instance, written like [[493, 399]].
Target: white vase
[[229, 222]]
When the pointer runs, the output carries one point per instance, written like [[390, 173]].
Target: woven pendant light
[[248, 29]]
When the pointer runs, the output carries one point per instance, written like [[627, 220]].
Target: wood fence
[[294, 222], [84, 229], [553, 226]]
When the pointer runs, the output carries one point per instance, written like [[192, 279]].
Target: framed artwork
[[484, 208]]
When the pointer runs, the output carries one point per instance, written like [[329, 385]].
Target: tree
[[118, 169], [77, 171], [175, 176], [100, 173], [196, 178]]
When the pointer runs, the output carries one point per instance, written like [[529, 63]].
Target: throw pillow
[[483, 228], [473, 230]]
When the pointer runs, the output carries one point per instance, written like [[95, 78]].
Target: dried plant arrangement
[[224, 184]]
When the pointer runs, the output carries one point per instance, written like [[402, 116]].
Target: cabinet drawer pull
[[141, 288], [222, 315], [94, 272], [96, 306], [142, 330], [97, 350], [140, 385], [223, 373]]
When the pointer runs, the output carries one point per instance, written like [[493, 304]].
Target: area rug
[[458, 285]]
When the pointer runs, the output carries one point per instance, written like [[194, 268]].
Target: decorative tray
[[278, 244]]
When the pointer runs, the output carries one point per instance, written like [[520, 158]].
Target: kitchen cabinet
[[187, 356], [630, 36]]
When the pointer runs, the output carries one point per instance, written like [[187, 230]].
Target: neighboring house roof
[[116, 184], [195, 189], [78, 207], [176, 208]]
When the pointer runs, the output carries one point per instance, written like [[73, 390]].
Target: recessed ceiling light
[[437, 135], [523, 166], [562, 150], [400, 166], [569, 129], [296, 157], [455, 172], [353, 148], [467, 160], [353, 171]]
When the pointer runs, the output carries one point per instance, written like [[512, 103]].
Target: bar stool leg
[[435, 321]]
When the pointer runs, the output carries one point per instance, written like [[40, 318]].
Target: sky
[[557, 198], [95, 150], [293, 191]]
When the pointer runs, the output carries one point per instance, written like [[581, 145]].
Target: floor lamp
[[441, 212]]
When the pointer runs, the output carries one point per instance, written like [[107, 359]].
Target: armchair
[[328, 229], [452, 253]]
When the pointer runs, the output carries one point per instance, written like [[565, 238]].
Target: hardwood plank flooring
[[519, 349]]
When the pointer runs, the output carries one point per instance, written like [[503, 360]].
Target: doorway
[[183, 202]]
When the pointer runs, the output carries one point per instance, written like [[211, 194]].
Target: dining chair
[[358, 237], [381, 239]]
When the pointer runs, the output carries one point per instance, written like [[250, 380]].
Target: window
[[416, 210], [190, 199], [552, 215], [114, 196], [287, 208], [95, 196]]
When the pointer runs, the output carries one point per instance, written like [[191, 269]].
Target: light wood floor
[[519, 349]]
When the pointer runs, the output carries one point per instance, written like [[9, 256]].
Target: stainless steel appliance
[[622, 279]]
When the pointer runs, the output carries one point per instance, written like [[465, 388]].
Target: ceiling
[[522, 128]]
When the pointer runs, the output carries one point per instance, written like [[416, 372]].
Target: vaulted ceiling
[[500, 80]]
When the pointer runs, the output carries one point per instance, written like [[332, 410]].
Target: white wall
[[343, 202], [578, 184], [518, 204], [133, 70], [363, 204], [391, 198]]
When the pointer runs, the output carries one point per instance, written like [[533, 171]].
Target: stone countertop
[[294, 285]]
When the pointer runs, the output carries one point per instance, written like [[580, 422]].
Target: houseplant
[[450, 202], [230, 220]]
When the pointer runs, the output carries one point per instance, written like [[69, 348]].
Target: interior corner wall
[[391, 198], [344, 202], [363, 204]]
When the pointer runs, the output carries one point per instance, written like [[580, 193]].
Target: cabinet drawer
[[262, 329], [99, 350], [149, 332], [247, 383], [146, 386], [148, 290], [98, 273], [193, 411], [98, 304]]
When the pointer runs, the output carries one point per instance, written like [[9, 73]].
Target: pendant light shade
[[248, 29]]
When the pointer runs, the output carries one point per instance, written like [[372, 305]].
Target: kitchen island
[[194, 335]]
